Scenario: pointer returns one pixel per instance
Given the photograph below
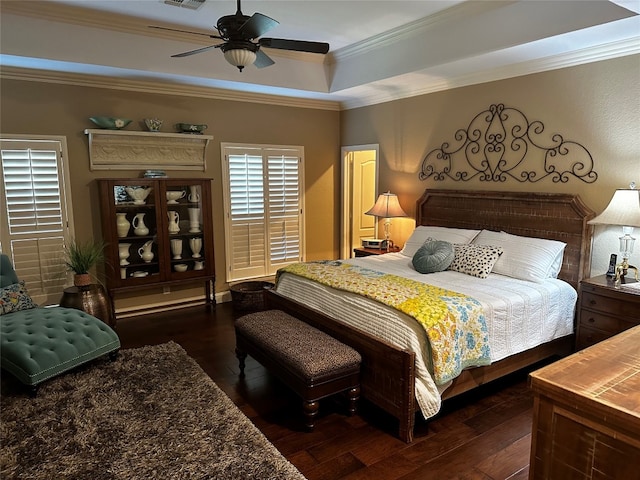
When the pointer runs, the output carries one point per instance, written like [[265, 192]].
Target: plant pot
[[82, 279]]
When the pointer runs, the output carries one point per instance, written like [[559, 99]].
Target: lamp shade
[[240, 57], [623, 209], [387, 206]]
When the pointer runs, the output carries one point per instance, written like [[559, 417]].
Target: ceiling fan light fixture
[[239, 57]]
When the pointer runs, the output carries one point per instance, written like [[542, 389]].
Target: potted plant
[[81, 257]]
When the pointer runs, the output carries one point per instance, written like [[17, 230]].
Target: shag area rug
[[153, 413]]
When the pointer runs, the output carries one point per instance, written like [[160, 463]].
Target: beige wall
[[597, 105], [52, 109]]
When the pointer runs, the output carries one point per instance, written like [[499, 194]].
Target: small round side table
[[92, 299]]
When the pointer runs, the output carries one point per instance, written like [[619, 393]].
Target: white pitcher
[[174, 219], [145, 251], [139, 228]]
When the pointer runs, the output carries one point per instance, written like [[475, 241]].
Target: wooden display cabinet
[[156, 240]]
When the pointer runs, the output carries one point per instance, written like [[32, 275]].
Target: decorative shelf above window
[[124, 150]]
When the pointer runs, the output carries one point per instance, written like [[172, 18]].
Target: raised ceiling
[[380, 50]]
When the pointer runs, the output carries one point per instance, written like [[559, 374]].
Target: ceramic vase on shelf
[[196, 245], [174, 219], [194, 220], [194, 196], [122, 225], [198, 265], [145, 251], [123, 253], [139, 228], [176, 248]]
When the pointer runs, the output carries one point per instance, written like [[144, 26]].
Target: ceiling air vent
[[192, 4]]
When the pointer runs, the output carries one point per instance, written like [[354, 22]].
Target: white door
[[359, 193]]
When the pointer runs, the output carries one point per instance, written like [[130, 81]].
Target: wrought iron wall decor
[[499, 144]]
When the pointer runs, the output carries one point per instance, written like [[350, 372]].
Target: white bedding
[[520, 314]]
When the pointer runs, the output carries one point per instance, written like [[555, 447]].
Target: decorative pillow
[[526, 258], [433, 256], [475, 260], [422, 233], [15, 297]]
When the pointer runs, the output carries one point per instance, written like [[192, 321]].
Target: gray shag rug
[[153, 413]]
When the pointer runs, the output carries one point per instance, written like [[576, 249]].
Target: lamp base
[[621, 271]]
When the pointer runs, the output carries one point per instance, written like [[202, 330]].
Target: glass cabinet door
[[185, 230], [136, 229]]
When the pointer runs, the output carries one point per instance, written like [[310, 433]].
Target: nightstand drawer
[[590, 337], [612, 306], [591, 319]]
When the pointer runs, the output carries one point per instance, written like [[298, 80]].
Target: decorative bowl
[[190, 128], [174, 195], [139, 194], [153, 124], [180, 267], [111, 123]]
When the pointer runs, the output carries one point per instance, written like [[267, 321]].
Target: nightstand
[[605, 310], [365, 252]]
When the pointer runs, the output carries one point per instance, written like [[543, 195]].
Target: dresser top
[[604, 377]]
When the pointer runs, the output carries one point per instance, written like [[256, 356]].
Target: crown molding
[[416, 28], [161, 88], [580, 57]]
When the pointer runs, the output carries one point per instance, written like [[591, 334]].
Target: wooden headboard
[[554, 216]]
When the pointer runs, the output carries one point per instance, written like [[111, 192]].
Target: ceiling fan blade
[[193, 52], [295, 45], [185, 31], [257, 25], [263, 60]]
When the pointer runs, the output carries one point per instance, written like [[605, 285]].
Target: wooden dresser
[[586, 420], [605, 310]]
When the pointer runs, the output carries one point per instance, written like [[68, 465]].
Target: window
[[34, 220], [263, 208]]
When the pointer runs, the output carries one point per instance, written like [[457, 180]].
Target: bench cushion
[[312, 353], [40, 343]]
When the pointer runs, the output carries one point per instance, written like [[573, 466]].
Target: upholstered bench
[[312, 363], [40, 343]]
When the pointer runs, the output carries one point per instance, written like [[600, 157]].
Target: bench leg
[[310, 413], [241, 358], [353, 395]]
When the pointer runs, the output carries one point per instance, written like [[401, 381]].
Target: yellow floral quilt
[[454, 323]]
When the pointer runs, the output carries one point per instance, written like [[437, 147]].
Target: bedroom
[[595, 104]]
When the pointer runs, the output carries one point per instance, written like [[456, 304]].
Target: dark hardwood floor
[[484, 435]]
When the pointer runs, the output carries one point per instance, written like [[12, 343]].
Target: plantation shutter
[[34, 217], [284, 209], [263, 221]]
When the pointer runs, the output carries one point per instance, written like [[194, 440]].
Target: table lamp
[[623, 210], [387, 206]]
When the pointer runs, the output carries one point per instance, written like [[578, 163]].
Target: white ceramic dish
[[180, 267]]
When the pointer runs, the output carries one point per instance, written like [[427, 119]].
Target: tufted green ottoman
[[40, 343], [314, 364]]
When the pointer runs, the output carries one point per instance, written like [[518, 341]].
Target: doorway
[[359, 193]]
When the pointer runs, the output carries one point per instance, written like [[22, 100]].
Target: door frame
[[347, 192]]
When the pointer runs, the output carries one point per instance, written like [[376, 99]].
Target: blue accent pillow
[[433, 256], [14, 298]]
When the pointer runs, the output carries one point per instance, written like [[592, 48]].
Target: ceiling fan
[[241, 44]]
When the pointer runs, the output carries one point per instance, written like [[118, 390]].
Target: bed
[[392, 372]]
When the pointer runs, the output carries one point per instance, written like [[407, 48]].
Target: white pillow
[[527, 258], [444, 234]]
